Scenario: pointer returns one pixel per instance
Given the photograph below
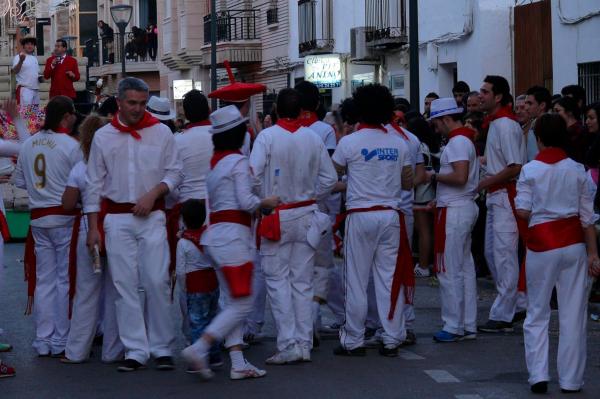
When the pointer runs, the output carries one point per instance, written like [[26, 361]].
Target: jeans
[[202, 308]]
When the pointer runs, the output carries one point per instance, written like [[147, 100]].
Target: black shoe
[[58, 355], [540, 387], [570, 390], [493, 326], [130, 365], [341, 351], [411, 338], [519, 316], [164, 363], [388, 352]]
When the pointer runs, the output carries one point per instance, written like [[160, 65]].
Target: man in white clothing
[[133, 164], [291, 161], [505, 154], [456, 213], [26, 68], [43, 168]]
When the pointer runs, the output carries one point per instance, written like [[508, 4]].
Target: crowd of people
[[141, 43], [228, 214]]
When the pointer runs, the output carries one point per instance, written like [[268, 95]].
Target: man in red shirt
[[63, 70]]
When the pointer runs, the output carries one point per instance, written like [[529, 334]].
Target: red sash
[[555, 234], [201, 281], [439, 240], [172, 230], [18, 95], [270, 225], [127, 207], [231, 216], [29, 260], [4, 227], [404, 275]]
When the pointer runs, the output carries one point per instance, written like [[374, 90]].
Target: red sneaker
[[6, 370]]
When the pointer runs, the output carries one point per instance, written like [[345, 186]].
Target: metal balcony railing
[[108, 50], [317, 46], [232, 25]]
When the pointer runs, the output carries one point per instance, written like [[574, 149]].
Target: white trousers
[[323, 265], [288, 268], [228, 324], [86, 309], [567, 269], [51, 303], [335, 293], [409, 309], [138, 258], [501, 247], [371, 245], [29, 96], [458, 284]]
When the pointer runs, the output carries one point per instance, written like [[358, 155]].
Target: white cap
[[444, 106], [226, 118], [160, 108]]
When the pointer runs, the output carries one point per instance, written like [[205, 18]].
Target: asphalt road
[[491, 367]]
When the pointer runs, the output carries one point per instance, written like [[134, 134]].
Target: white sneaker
[[289, 355], [420, 272], [249, 371], [197, 363]]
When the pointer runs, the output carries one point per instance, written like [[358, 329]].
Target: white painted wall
[[573, 43]]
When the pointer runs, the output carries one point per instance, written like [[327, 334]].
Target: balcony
[[237, 41], [104, 54], [316, 46], [387, 22]]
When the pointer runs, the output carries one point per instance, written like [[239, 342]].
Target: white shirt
[[123, 169], [289, 164], [326, 132], [459, 148], [416, 157], [189, 258], [229, 188], [505, 146], [195, 148], [374, 162], [77, 180], [532, 148], [43, 168], [555, 191], [246, 145], [28, 75]]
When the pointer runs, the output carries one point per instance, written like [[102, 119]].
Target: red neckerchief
[[218, 155], [371, 126], [463, 131], [504, 112], [190, 125], [289, 124], [194, 235], [551, 155], [399, 129], [146, 121], [307, 118], [61, 130]]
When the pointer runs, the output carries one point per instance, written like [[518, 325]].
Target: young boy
[[196, 276]]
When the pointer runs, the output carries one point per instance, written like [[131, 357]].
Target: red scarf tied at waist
[[270, 225], [439, 239], [307, 118], [504, 112], [218, 155], [29, 260], [404, 275], [146, 121], [289, 124], [173, 215], [203, 280]]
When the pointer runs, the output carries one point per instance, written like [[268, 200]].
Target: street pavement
[[493, 366]]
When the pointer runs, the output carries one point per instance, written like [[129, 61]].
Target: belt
[[555, 234], [127, 207], [231, 216]]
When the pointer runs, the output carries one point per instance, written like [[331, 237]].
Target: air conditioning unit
[[360, 53]]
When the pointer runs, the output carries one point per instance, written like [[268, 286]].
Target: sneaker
[[388, 350], [130, 365], [570, 390], [372, 338], [196, 363], [164, 363], [411, 338], [5, 347], [540, 387], [249, 371], [6, 371], [305, 354], [469, 336], [66, 360], [445, 336], [291, 354], [341, 351], [420, 272], [494, 326], [519, 316]]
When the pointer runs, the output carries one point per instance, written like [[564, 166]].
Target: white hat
[[160, 108], [226, 118], [444, 106]]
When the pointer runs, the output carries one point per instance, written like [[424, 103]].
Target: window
[[589, 79], [306, 20], [87, 5]]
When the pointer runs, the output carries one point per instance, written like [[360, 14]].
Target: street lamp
[[121, 14]]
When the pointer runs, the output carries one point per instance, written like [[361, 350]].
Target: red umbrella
[[236, 91]]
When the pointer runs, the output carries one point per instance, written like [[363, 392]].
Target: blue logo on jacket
[[382, 154]]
